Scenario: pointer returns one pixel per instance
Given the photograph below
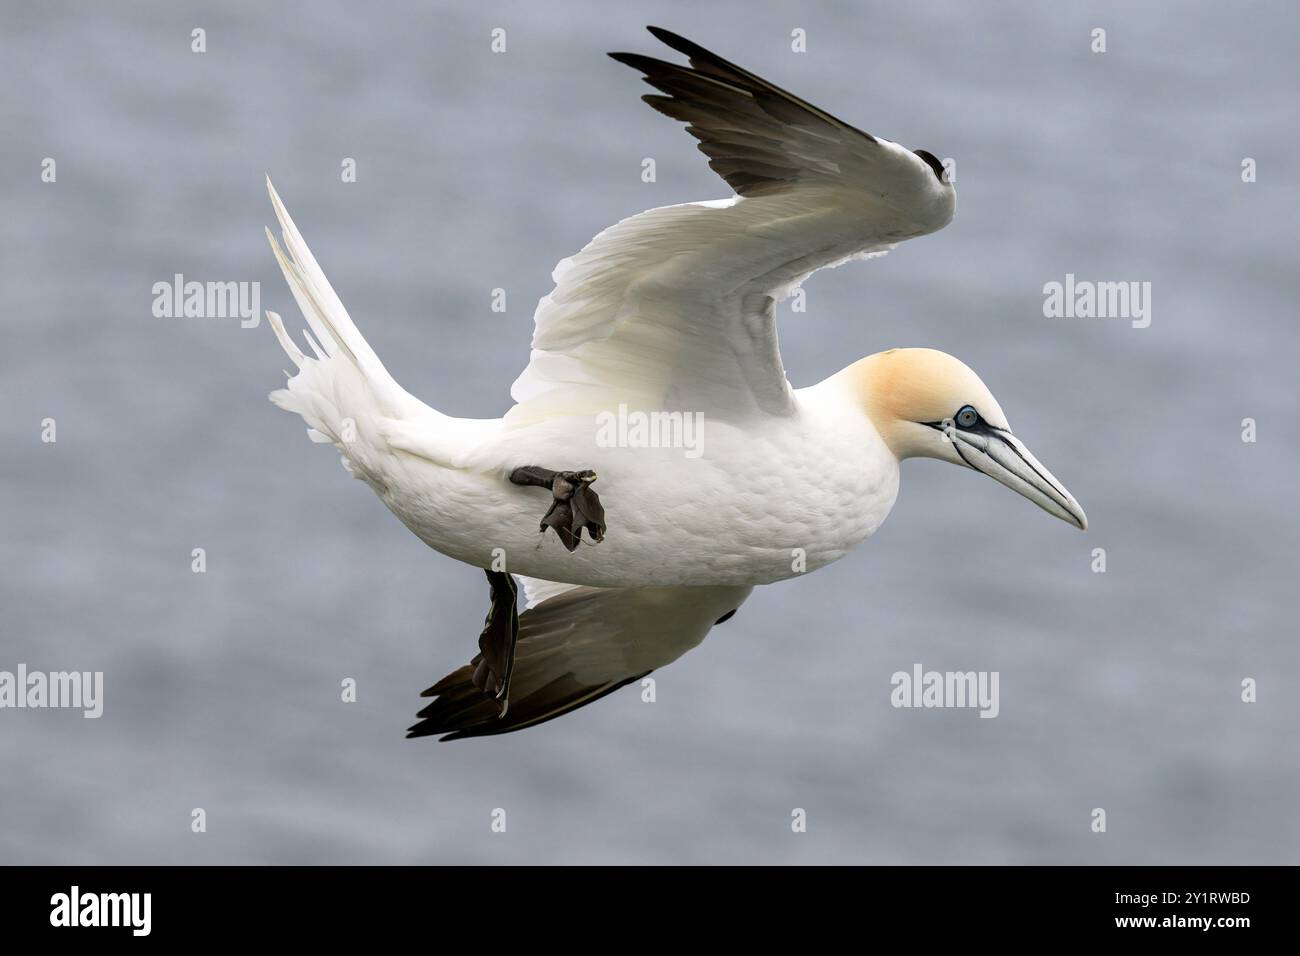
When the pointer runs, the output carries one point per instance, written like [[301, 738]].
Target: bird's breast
[[738, 505]]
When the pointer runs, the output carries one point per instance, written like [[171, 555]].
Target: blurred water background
[[478, 170]]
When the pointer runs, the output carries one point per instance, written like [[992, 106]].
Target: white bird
[[669, 312]]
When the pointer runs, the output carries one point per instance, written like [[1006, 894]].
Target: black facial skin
[[967, 420], [980, 427]]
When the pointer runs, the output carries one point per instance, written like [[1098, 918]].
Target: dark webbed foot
[[575, 505], [496, 643]]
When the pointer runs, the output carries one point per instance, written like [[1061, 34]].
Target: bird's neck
[[869, 386]]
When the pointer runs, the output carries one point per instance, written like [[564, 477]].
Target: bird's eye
[[967, 417]]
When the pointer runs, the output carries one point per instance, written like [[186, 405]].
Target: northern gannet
[[669, 311]]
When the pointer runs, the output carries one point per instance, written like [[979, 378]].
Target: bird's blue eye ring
[[967, 417]]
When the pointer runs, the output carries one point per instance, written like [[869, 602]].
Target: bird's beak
[[1000, 455]]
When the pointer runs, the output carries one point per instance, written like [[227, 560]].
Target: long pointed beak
[[1001, 455]]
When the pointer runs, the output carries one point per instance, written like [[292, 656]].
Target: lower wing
[[577, 644]]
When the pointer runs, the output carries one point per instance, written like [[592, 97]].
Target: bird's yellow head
[[925, 403]]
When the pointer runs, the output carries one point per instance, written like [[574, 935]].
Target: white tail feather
[[344, 393]]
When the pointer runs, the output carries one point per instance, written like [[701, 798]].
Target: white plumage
[[669, 311]]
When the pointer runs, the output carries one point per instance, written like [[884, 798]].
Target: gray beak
[[1000, 455]]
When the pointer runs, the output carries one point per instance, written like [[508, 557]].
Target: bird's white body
[[766, 499]]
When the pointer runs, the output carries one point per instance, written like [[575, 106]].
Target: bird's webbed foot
[[574, 505]]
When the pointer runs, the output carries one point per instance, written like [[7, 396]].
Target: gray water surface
[[477, 170]]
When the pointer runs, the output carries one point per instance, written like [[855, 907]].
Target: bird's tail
[[342, 390]]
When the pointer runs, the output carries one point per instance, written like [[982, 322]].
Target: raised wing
[[575, 646], [673, 309]]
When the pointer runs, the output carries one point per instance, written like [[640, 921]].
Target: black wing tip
[[679, 42], [467, 732], [934, 163], [443, 717], [418, 732], [446, 720], [639, 61], [674, 40], [667, 36]]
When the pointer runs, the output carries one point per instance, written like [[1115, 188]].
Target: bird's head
[[928, 404]]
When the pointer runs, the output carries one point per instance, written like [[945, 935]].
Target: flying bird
[[629, 549]]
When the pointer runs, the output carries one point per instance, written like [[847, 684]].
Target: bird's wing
[[673, 309], [575, 646]]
